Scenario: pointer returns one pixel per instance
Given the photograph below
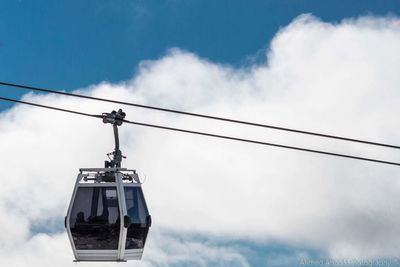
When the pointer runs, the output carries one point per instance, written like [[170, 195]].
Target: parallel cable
[[211, 134], [261, 143], [49, 107], [203, 116]]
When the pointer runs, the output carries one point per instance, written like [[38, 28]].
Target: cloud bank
[[335, 78]]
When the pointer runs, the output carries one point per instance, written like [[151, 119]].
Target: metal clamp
[[115, 118]]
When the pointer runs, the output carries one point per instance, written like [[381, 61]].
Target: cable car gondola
[[108, 219]]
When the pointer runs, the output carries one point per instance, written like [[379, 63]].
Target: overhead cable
[[210, 134], [203, 116]]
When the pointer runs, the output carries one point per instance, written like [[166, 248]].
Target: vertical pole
[[117, 153], [116, 137]]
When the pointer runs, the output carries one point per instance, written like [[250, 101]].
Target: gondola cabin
[[107, 218]]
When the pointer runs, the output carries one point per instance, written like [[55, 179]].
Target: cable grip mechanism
[[116, 119]]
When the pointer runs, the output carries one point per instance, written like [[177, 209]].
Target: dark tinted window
[[95, 220], [137, 211]]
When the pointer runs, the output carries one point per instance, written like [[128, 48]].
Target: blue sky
[[73, 44]]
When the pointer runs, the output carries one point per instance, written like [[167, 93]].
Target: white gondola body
[[107, 220]]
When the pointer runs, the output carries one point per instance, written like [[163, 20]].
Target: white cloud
[[335, 78], [162, 250]]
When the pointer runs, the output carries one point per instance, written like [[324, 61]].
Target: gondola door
[[137, 221]]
